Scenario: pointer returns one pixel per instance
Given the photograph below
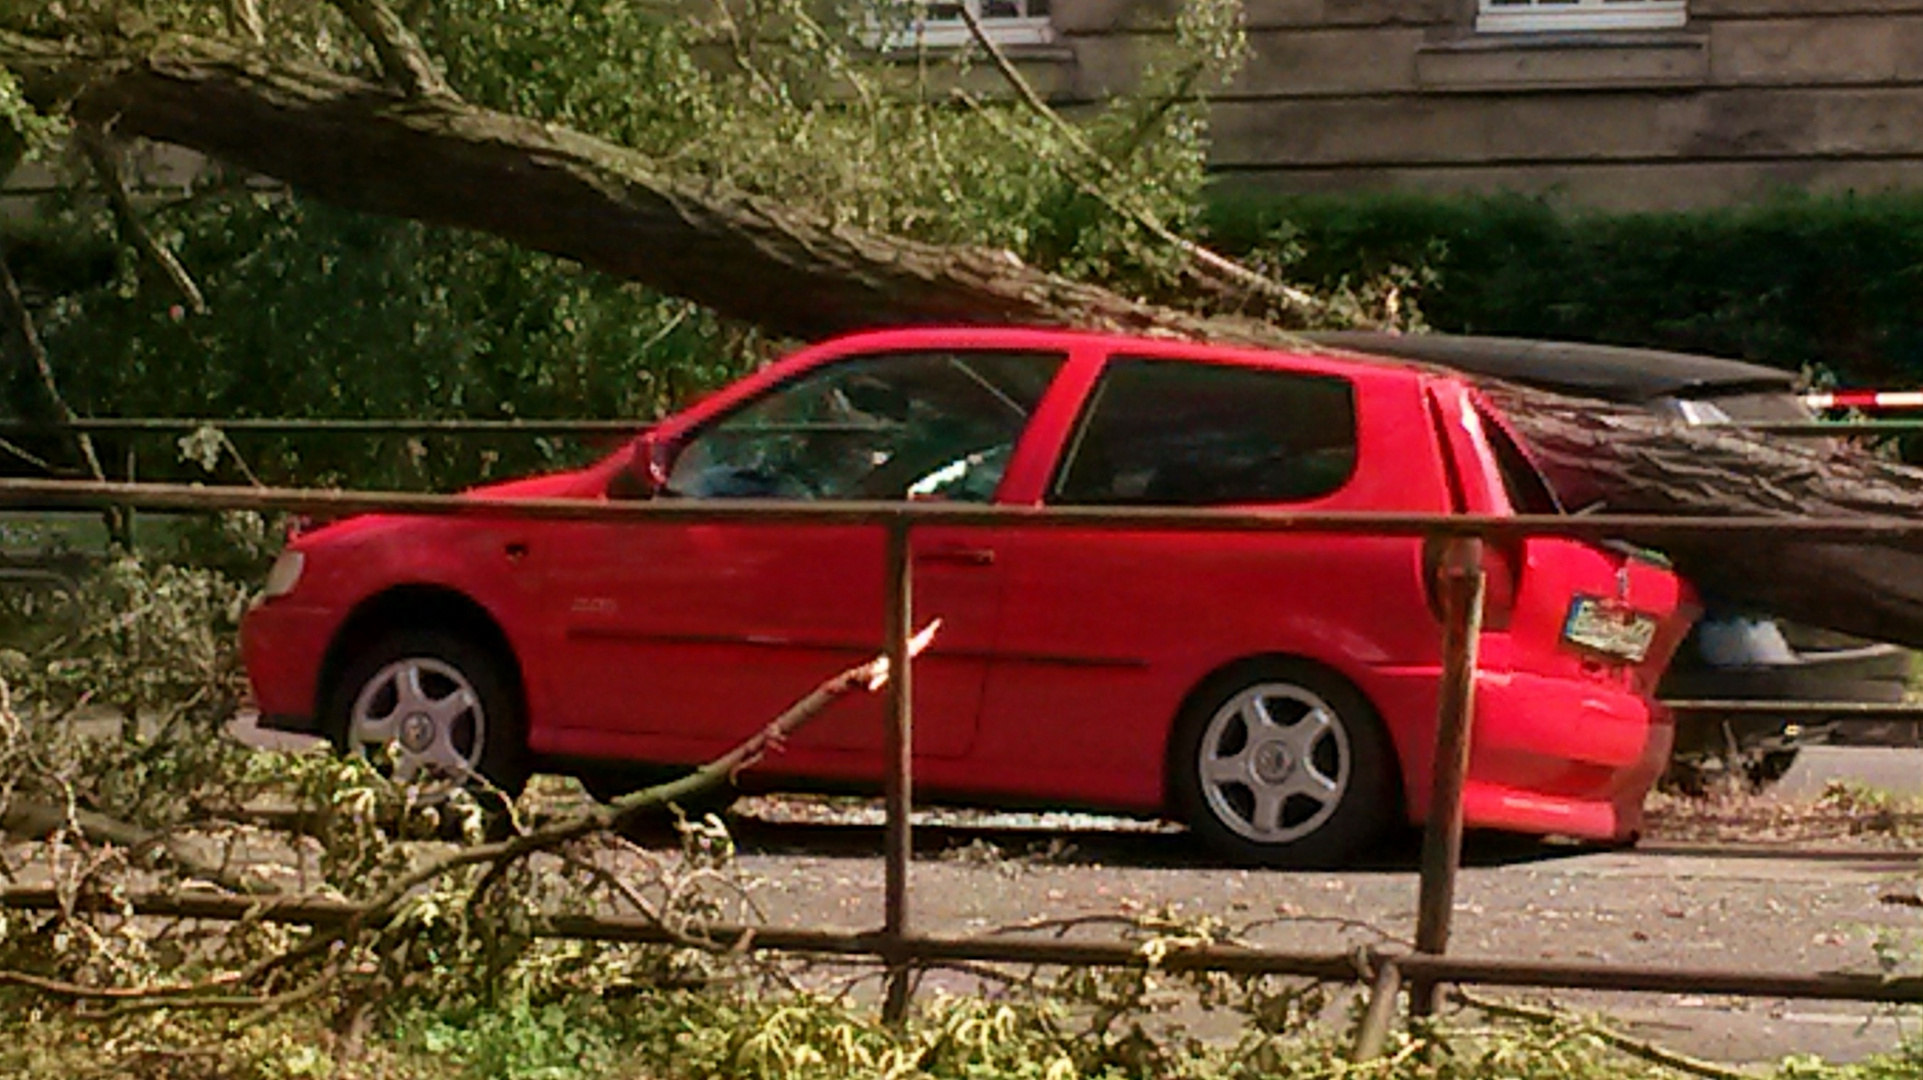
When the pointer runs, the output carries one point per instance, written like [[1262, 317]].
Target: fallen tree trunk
[[438, 159], [1620, 458], [435, 158]]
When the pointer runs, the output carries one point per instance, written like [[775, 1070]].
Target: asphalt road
[[1675, 907], [1899, 771], [1810, 914]]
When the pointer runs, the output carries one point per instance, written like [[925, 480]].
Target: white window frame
[[953, 33], [1548, 16]]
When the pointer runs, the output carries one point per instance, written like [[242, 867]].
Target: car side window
[[1180, 433], [922, 425]]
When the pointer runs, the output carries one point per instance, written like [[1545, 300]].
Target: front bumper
[[284, 646]]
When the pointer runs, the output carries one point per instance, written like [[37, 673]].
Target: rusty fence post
[[898, 758], [1461, 586]]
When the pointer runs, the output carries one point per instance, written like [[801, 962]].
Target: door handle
[[956, 555]]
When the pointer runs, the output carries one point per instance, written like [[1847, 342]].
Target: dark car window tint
[[1528, 492], [1175, 433], [936, 425]]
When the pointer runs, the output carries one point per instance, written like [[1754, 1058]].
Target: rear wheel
[[1280, 763], [433, 710]]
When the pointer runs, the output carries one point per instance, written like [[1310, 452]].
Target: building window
[[937, 24], [1537, 16]]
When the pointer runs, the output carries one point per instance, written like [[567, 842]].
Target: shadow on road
[[1132, 844]]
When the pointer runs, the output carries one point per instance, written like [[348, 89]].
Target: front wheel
[[1282, 764], [435, 711]]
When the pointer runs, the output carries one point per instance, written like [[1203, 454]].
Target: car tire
[[451, 706], [1319, 790]]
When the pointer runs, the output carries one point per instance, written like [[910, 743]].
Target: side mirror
[[645, 474]]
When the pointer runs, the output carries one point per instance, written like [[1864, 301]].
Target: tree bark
[[440, 160], [1622, 459], [436, 159]]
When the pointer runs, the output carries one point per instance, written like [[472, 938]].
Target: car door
[[681, 638], [1105, 631]]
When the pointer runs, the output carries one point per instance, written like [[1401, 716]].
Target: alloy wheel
[[425, 717], [1275, 762]]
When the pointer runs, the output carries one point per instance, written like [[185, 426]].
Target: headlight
[[285, 574]]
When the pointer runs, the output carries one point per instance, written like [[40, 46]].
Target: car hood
[[587, 483]]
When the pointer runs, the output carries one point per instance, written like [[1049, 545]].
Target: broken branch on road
[[384, 913]]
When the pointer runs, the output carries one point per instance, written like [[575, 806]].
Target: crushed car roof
[[1609, 372]]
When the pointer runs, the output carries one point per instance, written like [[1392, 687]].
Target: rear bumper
[[1548, 756], [283, 646]]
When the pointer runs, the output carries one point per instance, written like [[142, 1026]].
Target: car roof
[[1609, 372], [1309, 355]]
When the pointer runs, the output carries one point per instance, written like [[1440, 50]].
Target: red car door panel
[[680, 639], [1105, 632], [703, 634]]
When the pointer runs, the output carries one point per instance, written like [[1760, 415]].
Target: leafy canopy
[[318, 312]]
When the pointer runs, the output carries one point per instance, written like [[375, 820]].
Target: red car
[[1276, 692]]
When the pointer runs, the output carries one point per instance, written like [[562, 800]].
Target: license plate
[[1607, 626]]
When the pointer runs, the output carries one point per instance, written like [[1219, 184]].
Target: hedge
[[1830, 282]]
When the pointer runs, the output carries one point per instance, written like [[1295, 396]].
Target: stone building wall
[[1736, 99], [1743, 97]]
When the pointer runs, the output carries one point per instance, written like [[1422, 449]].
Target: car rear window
[[1181, 433], [1528, 492]]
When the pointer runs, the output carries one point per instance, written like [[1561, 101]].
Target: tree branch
[[42, 364], [380, 909], [379, 912], [404, 63], [106, 166], [244, 21], [38, 820], [1648, 1051], [1208, 264], [440, 160], [62, 988]]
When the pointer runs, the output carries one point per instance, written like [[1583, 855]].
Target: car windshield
[[912, 425]]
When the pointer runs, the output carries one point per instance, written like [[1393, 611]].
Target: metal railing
[[161, 425], [896, 943]]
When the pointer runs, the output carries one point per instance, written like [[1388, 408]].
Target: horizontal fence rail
[[1877, 710], [159, 425], [318, 502], [1358, 966]]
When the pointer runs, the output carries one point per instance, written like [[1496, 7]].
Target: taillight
[[1501, 579]]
